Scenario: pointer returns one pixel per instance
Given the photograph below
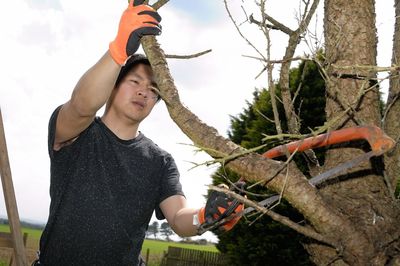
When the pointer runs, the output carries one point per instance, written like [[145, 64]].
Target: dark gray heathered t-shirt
[[103, 193]]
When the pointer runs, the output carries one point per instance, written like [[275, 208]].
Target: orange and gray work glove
[[136, 21], [219, 214]]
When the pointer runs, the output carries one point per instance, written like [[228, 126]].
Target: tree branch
[[188, 56], [277, 217], [278, 25], [239, 31], [160, 3], [259, 24], [252, 167], [294, 39]]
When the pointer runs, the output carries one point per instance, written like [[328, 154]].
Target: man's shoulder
[[157, 152], [154, 146]]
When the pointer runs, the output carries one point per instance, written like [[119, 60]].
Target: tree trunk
[[356, 218], [392, 121], [362, 194]]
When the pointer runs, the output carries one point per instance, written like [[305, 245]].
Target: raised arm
[[90, 94], [95, 86]]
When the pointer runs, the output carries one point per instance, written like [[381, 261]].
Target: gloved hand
[[219, 206], [136, 21]]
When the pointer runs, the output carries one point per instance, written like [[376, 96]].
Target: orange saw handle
[[377, 139]]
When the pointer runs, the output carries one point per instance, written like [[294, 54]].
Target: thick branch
[[392, 121], [277, 217], [294, 39], [298, 192]]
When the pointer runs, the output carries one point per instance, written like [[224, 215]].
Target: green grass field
[[156, 247], [32, 233]]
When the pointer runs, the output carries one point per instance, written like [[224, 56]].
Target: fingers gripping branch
[[136, 21], [218, 207]]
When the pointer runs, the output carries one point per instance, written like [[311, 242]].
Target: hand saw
[[377, 139]]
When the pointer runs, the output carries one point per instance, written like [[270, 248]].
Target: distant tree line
[[155, 229], [25, 224]]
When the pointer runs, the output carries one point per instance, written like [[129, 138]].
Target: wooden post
[[147, 256], [11, 203]]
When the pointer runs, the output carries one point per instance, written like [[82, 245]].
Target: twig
[[270, 67], [303, 74], [277, 217], [264, 116], [297, 58], [367, 68], [157, 5], [223, 158], [390, 105], [187, 56], [283, 135], [239, 31], [285, 164], [259, 24], [283, 188], [278, 25]]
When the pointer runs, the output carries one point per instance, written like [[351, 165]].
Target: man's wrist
[[196, 221], [198, 217]]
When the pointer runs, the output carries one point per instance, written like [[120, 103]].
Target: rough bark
[[392, 121], [357, 217], [325, 219], [294, 39], [362, 194]]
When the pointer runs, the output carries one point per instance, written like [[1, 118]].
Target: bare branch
[[303, 74], [270, 67], [294, 39], [285, 165], [354, 69], [259, 24], [278, 25], [279, 61], [389, 106], [264, 116], [277, 217], [239, 31], [188, 56], [283, 135], [160, 3], [252, 167]]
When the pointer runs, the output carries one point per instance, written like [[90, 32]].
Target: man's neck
[[122, 128]]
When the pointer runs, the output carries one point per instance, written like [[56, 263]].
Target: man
[[107, 178]]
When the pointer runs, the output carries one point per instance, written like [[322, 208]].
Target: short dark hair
[[133, 61]]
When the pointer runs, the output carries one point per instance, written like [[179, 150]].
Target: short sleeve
[[52, 130], [170, 184]]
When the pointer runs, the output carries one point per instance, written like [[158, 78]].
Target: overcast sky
[[47, 45]]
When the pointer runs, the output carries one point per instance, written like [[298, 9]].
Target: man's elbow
[[82, 107], [184, 231]]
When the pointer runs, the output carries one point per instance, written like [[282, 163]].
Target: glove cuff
[[201, 215], [115, 53]]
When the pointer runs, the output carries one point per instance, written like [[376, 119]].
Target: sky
[[47, 45]]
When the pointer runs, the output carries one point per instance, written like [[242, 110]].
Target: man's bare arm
[[90, 94], [179, 217]]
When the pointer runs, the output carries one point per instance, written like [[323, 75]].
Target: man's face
[[136, 94]]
